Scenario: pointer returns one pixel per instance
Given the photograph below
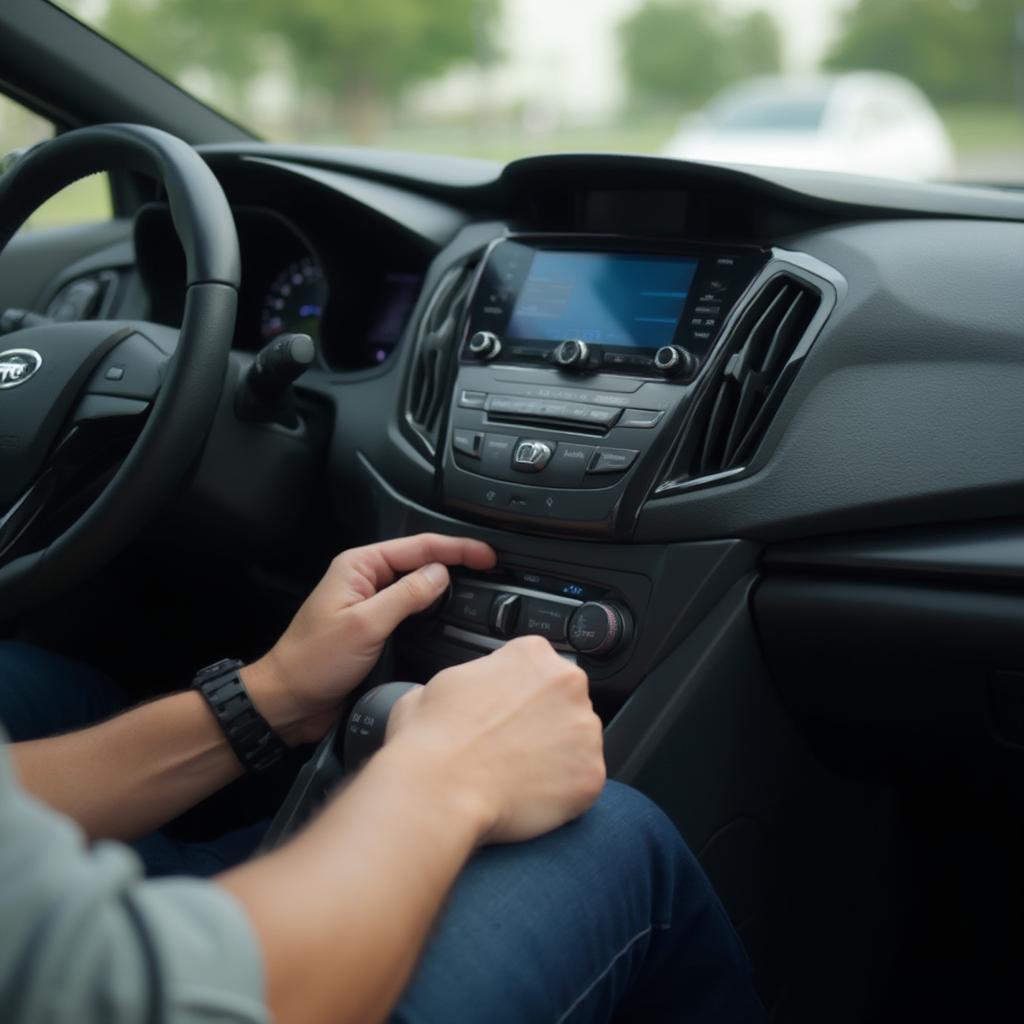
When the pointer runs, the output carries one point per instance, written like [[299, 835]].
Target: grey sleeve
[[85, 939]]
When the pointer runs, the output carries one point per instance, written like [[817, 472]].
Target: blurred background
[[919, 89]]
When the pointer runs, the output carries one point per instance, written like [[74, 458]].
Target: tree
[[684, 50], [956, 50], [176, 36], [353, 53], [754, 47]]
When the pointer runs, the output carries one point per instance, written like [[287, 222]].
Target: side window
[[84, 201]]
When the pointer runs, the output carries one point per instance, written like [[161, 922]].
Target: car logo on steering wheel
[[17, 365]]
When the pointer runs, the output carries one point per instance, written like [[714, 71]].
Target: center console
[[575, 364]]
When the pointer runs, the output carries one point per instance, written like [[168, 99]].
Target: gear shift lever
[[368, 722], [343, 750]]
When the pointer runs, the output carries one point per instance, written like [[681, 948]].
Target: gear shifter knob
[[368, 722]]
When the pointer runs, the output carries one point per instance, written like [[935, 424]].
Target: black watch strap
[[255, 744]]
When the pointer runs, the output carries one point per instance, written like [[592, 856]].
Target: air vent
[[764, 352], [435, 348]]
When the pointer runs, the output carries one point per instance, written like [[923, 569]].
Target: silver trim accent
[[579, 356], [512, 588], [672, 360], [485, 344]]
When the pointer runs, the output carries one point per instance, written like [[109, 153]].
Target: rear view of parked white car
[[863, 122]]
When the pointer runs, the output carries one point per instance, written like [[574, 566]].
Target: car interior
[[749, 444]]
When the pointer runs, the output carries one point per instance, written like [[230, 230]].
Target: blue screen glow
[[603, 298]]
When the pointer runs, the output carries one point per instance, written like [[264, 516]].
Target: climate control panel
[[574, 617]]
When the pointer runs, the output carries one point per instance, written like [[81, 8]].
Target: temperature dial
[[598, 628]]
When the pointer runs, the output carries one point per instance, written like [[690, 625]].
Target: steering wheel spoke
[[134, 368], [16, 522]]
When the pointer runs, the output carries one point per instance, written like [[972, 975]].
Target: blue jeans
[[607, 918]]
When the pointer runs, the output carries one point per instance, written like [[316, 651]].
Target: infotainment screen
[[605, 298], [624, 302]]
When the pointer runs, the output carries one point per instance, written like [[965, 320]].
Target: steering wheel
[[101, 420]]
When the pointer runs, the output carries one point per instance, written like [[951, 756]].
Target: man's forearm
[[130, 775], [343, 911], [127, 776]]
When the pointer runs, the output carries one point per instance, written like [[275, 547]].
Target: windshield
[[933, 89], [770, 114]]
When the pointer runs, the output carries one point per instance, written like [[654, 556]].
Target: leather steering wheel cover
[[184, 409], [201, 215]]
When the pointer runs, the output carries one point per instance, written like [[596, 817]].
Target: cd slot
[[575, 415]]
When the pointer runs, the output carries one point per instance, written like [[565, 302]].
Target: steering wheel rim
[[191, 377]]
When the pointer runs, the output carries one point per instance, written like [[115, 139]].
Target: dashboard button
[[511, 405], [470, 604], [555, 410], [627, 360], [467, 441], [541, 617], [641, 418], [602, 416], [568, 464], [612, 460], [531, 456], [472, 399], [496, 455], [617, 359], [528, 352]]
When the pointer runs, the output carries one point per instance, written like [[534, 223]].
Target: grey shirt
[[86, 939]]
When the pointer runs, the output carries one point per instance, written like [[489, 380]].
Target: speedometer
[[295, 301]]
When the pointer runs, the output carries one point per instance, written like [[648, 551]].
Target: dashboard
[[747, 445], [353, 300], [590, 360]]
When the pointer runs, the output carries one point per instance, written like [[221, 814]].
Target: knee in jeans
[[644, 827]]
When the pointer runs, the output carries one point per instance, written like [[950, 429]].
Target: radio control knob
[[505, 614], [571, 353], [484, 344], [675, 361], [598, 628]]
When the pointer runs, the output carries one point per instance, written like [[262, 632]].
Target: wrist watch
[[252, 739]]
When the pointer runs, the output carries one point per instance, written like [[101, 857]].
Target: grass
[[645, 133]]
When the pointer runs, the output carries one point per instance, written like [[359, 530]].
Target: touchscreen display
[[605, 298]]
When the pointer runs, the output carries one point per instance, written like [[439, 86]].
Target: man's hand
[[515, 732], [337, 635]]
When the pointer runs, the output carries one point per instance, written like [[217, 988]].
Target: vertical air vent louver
[[436, 338], [737, 408]]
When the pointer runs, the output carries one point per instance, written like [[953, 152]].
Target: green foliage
[[178, 35], [341, 49], [685, 50], [378, 45], [754, 46], [956, 50]]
